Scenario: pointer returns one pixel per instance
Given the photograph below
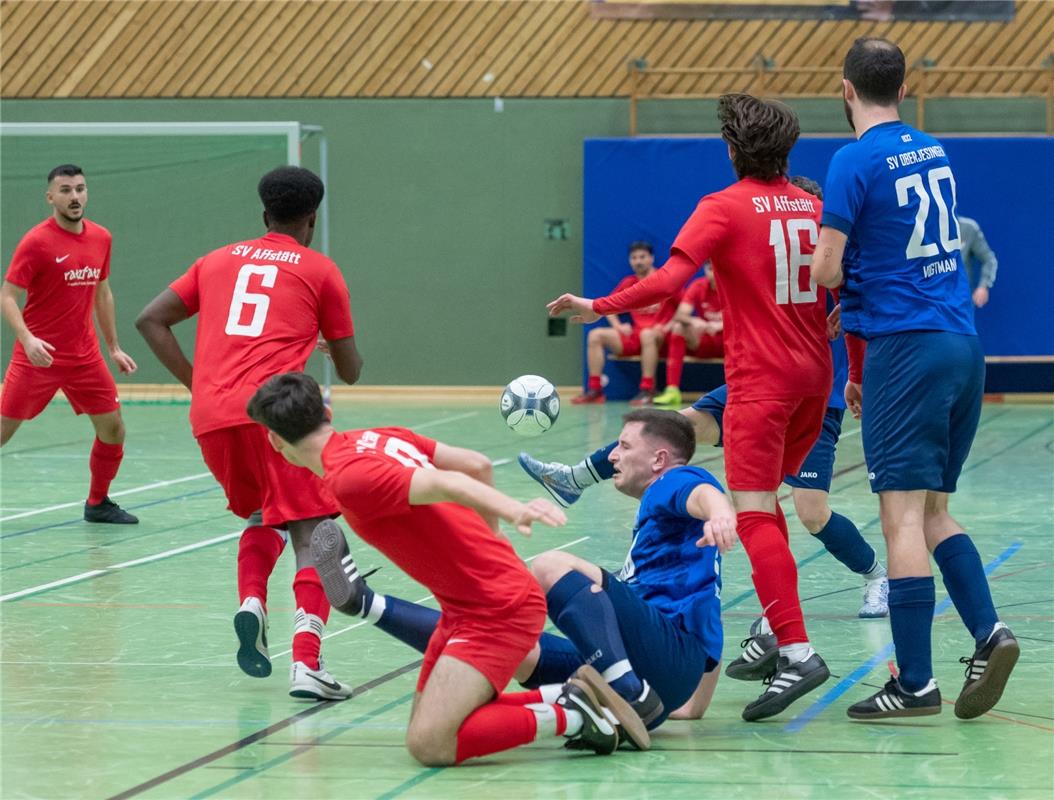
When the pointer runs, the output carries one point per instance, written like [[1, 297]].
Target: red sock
[[647, 384], [782, 522], [774, 573], [104, 462], [312, 612], [520, 698], [258, 551], [498, 726], [675, 360], [594, 383]]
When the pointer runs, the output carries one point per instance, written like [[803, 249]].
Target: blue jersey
[[892, 193], [664, 567]]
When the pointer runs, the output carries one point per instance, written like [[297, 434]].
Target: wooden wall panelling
[[529, 55], [467, 65]]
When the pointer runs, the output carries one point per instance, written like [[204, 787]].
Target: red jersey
[[649, 316], [59, 271], [446, 547], [702, 296], [261, 305], [760, 237]]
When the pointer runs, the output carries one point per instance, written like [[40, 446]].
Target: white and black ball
[[530, 405]]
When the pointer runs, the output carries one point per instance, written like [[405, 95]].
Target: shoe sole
[[780, 702], [927, 711], [252, 662], [327, 550], [981, 697], [753, 670], [880, 615], [560, 501], [308, 694], [632, 725], [599, 708]]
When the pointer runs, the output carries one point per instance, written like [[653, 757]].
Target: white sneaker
[[876, 599], [250, 625], [315, 684]]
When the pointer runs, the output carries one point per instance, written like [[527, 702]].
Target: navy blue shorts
[[660, 650], [818, 468], [922, 402]]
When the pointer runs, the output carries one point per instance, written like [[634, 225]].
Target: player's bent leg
[[104, 462], [453, 690], [258, 550], [8, 426], [695, 706]]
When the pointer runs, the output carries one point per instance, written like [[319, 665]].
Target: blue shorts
[[818, 468], [663, 653], [922, 402]]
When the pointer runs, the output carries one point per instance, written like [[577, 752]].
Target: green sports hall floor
[[118, 652]]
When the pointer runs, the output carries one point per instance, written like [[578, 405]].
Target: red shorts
[[494, 645], [711, 346], [766, 440], [90, 388], [631, 344], [256, 477]]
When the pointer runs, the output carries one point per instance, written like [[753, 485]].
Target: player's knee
[[596, 336], [549, 567], [430, 747], [813, 513], [110, 429]]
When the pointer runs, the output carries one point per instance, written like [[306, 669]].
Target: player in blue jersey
[[891, 241], [653, 632]]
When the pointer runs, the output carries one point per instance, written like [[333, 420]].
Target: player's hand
[[625, 329], [538, 510], [581, 306], [37, 352], [854, 398], [834, 323], [322, 346], [123, 361], [980, 296], [719, 532]]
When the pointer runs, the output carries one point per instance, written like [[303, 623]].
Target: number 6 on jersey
[[243, 297]]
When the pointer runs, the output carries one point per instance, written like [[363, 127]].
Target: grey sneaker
[[555, 478], [876, 599]]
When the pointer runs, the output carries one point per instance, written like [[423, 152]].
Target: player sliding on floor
[[654, 630], [416, 501], [759, 233]]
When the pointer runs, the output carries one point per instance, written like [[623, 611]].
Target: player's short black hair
[[640, 244], [66, 170], [290, 193], [671, 427], [290, 405], [876, 69], [807, 185], [761, 133]]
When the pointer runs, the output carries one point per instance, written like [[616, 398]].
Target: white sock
[[764, 627], [550, 692], [584, 474], [877, 572], [545, 716], [996, 627], [796, 652], [375, 609]]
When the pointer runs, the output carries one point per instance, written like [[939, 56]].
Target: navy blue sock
[[587, 618], [967, 585], [911, 603], [843, 541], [408, 622], [602, 469]]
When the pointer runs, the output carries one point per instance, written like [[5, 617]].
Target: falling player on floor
[[759, 234], [654, 630], [891, 241], [63, 267], [412, 498], [261, 305]]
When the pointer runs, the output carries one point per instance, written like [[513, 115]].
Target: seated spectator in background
[[628, 339], [696, 330], [975, 250]]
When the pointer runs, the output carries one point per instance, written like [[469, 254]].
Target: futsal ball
[[530, 405]]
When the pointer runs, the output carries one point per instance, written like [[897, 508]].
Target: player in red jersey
[[417, 501], [696, 330], [62, 266], [759, 233], [261, 305], [643, 337]]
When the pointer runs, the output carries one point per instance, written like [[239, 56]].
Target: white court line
[[423, 600], [124, 565], [501, 462], [445, 420], [145, 488], [181, 665]]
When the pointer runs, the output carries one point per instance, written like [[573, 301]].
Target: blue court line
[[739, 598], [858, 674], [127, 508], [252, 772], [411, 783]]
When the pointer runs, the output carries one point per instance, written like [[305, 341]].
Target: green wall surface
[[437, 211]]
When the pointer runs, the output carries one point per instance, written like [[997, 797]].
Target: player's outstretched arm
[[826, 268], [707, 502], [106, 313], [37, 350], [346, 358], [428, 486], [155, 323], [471, 463]]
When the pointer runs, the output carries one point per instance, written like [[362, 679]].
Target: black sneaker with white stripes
[[598, 733], [787, 684], [987, 672], [895, 701], [340, 577], [758, 658]]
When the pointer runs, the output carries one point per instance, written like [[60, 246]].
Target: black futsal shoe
[[108, 512], [344, 586], [987, 673], [787, 684], [895, 701], [758, 658], [598, 733], [619, 710]]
